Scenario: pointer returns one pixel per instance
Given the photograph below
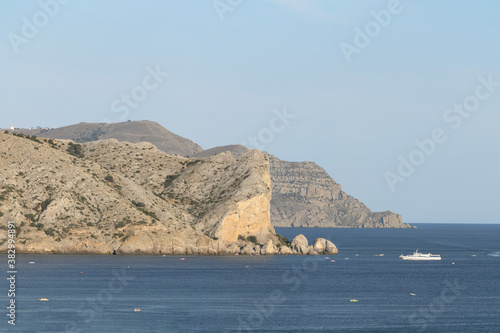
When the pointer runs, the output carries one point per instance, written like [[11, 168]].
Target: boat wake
[[494, 254]]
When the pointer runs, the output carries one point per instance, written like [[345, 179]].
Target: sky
[[398, 100]]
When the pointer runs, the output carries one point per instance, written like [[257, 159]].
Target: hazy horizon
[[353, 86]]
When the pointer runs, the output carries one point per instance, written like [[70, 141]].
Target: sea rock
[[300, 244], [268, 248], [322, 245], [331, 248], [319, 245]]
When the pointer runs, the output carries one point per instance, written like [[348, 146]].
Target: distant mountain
[[132, 131], [235, 150], [303, 194]]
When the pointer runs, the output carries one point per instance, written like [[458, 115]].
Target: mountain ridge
[[130, 131]]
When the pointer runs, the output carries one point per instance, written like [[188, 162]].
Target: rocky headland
[[303, 194], [106, 196]]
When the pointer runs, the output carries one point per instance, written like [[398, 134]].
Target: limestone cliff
[[106, 196], [246, 193], [304, 195]]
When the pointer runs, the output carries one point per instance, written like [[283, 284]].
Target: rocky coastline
[[143, 246]]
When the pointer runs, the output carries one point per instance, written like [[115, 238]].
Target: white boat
[[421, 256]]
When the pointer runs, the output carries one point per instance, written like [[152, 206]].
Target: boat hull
[[422, 259]]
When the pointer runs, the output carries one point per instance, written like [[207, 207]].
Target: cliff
[[304, 195]]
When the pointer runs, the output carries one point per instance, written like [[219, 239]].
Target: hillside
[[107, 196]]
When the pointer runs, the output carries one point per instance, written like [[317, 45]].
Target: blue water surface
[[461, 293]]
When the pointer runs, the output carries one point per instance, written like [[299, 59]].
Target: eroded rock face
[[304, 195], [142, 243], [251, 217]]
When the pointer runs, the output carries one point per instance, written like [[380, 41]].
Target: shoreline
[[298, 246]]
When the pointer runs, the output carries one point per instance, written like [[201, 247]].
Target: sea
[[88, 293]]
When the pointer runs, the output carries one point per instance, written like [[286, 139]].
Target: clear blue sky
[[226, 76]]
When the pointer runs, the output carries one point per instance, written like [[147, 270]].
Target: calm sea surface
[[275, 293]]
